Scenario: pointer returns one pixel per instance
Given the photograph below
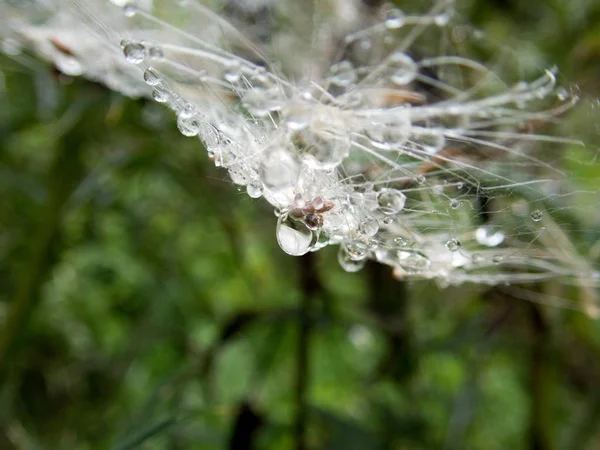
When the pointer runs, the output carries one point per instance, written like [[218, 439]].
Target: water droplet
[[188, 126], [325, 144], [356, 249], [151, 77], [453, 245], [129, 10], [322, 241], [369, 226], [233, 72], [454, 204], [293, 236], [413, 261], [217, 157], [391, 201], [388, 220], [134, 52], [347, 263], [327, 156], [497, 259], [488, 236], [388, 136], [279, 169], [394, 19], [421, 179], [347, 213], [160, 94], [402, 242], [404, 67], [536, 215], [318, 202], [361, 50], [254, 189], [211, 136], [260, 101], [373, 244], [343, 74], [155, 52], [69, 65], [260, 79], [187, 110]]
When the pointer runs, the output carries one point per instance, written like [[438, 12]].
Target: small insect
[[311, 212]]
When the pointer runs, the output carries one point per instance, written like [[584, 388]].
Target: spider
[[311, 212]]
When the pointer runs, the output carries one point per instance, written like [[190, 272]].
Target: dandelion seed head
[[377, 131]]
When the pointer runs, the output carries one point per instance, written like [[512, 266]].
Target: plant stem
[[310, 285], [540, 395], [64, 176]]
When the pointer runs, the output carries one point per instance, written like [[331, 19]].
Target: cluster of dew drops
[[317, 210]]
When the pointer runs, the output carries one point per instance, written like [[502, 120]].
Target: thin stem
[[539, 422], [310, 285], [65, 174]]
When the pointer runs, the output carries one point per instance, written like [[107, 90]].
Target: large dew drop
[[293, 236], [151, 77], [413, 261], [233, 72], [402, 242], [326, 151], [453, 245], [326, 142], [389, 136], [134, 52], [260, 102], [391, 201], [356, 249], [69, 65], [188, 126], [160, 94], [394, 19], [536, 215], [279, 169], [254, 189], [129, 10], [347, 263], [369, 226], [403, 67], [343, 74]]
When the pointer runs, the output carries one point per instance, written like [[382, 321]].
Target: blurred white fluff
[[368, 128]]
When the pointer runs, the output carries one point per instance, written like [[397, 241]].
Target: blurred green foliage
[[145, 304]]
